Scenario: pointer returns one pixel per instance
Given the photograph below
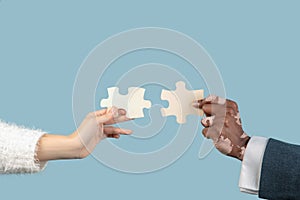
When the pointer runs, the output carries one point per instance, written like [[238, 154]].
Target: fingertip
[[196, 105], [113, 111], [128, 132], [129, 119], [122, 111]]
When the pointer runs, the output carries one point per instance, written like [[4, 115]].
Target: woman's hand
[[223, 125], [94, 128]]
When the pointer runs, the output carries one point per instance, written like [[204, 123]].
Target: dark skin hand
[[223, 125]]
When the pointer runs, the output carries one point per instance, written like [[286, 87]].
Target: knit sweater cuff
[[18, 147]]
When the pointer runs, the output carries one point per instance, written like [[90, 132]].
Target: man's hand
[[223, 125]]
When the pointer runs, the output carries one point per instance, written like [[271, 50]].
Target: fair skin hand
[[94, 128], [223, 125]]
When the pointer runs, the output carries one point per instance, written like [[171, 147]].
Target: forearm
[[56, 147]]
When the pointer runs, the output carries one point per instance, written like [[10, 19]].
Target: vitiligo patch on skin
[[133, 102], [244, 135], [208, 121], [215, 99], [180, 102], [225, 145], [238, 119], [243, 149]]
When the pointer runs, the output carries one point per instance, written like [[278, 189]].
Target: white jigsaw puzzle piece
[[133, 102], [180, 102]]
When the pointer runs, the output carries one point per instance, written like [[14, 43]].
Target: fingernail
[[114, 111], [122, 112], [196, 104]]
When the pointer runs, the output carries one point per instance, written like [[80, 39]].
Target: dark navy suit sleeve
[[280, 173]]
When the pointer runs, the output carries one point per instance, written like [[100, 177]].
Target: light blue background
[[255, 45]]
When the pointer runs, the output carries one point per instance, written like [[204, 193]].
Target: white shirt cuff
[[251, 165]]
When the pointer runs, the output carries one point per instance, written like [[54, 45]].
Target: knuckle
[[232, 104], [230, 111], [226, 122], [90, 115]]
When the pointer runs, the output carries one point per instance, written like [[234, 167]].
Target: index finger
[[120, 117], [212, 99]]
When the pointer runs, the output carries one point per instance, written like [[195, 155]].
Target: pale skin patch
[[221, 101], [215, 99], [238, 119], [244, 135], [224, 145], [211, 98], [208, 121], [243, 149]]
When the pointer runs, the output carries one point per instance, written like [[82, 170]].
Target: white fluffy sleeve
[[18, 147]]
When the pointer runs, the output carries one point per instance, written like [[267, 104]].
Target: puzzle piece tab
[[133, 102], [180, 102]]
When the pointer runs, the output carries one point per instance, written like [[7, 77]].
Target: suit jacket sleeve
[[280, 173]]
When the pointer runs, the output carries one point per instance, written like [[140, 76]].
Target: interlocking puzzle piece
[[133, 102], [180, 102]]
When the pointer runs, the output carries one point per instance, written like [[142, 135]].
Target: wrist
[[76, 146], [243, 148], [73, 147]]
